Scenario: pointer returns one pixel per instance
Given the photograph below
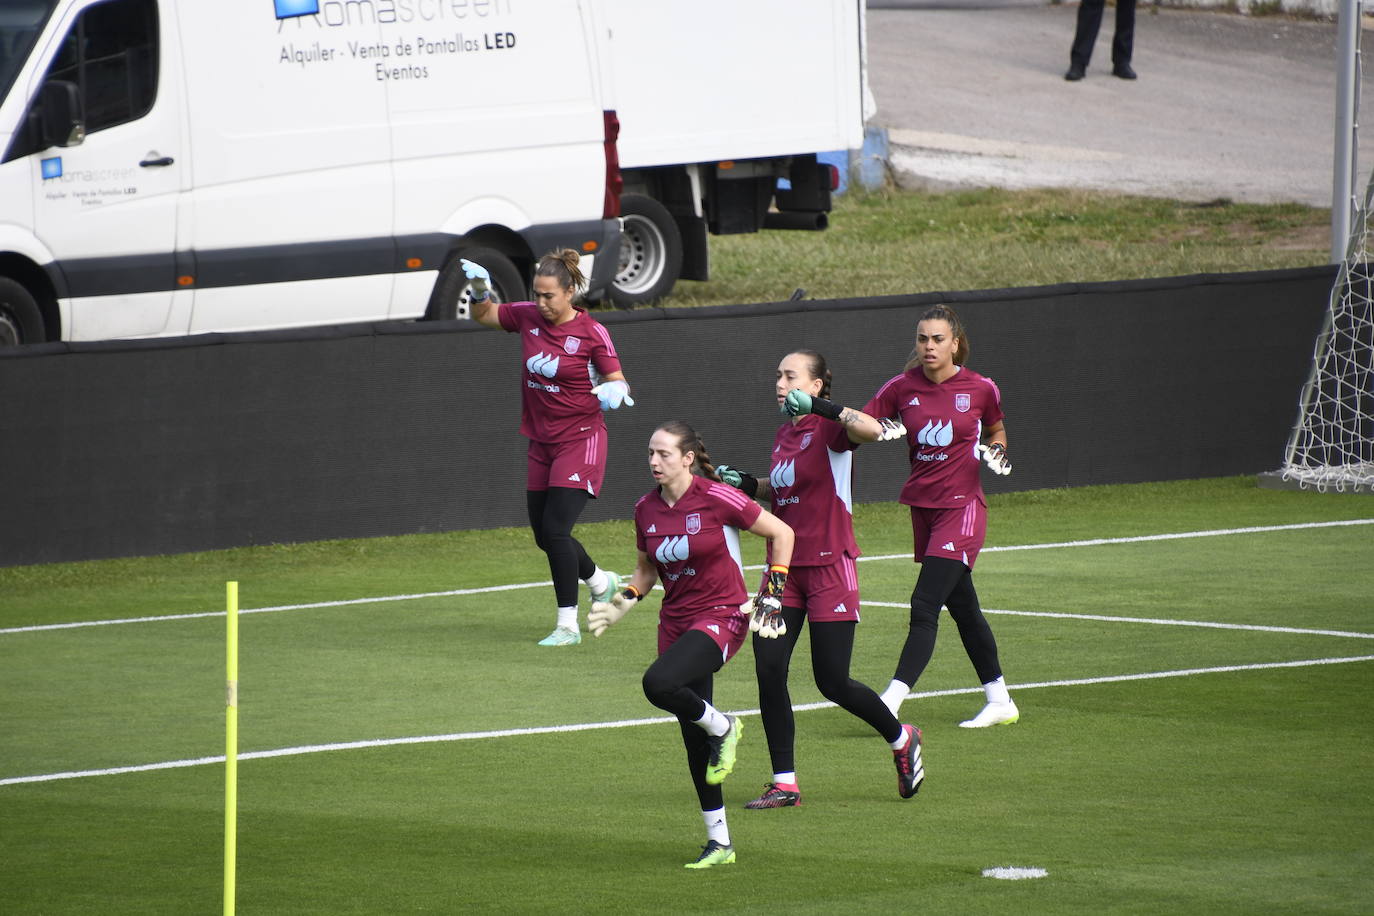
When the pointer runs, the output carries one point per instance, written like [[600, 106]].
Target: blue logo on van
[[288, 8], [52, 168]]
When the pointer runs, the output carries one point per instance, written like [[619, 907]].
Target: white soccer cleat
[[994, 714]]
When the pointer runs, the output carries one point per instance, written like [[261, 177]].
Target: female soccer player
[[952, 416], [809, 487], [572, 373], [687, 532]]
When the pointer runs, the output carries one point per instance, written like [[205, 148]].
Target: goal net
[[1332, 443]]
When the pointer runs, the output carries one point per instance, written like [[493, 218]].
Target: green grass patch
[[1232, 791], [895, 242]]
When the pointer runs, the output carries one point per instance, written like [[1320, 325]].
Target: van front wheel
[[650, 253], [453, 293], [20, 320]]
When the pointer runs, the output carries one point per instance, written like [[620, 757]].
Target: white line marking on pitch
[[1159, 621], [1095, 542], [629, 723]]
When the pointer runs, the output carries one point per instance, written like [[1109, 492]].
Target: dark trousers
[[1090, 19]]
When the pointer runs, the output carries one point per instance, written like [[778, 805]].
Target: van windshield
[[21, 21]]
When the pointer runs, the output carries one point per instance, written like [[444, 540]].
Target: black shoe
[[1075, 73], [1123, 71]]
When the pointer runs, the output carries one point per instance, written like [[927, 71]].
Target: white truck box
[[717, 101]]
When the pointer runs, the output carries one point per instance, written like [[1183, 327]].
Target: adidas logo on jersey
[[840, 609], [914, 402], [575, 478], [713, 628], [653, 529], [948, 545], [534, 331]]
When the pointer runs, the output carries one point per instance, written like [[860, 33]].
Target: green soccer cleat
[[613, 584], [994, 714], [722, 758], [562, 636], [713, 854]]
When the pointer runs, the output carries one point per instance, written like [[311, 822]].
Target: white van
[[184, 166]]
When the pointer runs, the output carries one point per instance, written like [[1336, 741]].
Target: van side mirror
[[63, 123]]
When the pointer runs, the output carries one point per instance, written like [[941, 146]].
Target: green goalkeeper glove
[[798, 403], [738, 479], [605, 613]]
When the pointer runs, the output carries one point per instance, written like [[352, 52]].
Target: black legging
[[832, 645], [946, 582], [680, 681], [553, 512]]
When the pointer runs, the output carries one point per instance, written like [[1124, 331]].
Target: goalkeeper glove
[[891, 429], [738, 479], [605, 613], [798, 403], [479, 279], [613, 394], [767, 619], [995, 454]]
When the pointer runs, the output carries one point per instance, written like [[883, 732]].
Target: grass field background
[[1174, 755]]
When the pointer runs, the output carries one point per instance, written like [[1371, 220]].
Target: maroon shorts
[[579, 464], [956, 534], [828, 593], [725, 625]]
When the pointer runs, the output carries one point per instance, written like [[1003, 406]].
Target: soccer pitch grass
[[1195, 733]]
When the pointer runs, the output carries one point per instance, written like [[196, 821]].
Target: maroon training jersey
[[944, 423], [811, 476], [695, 545], [562, 365]]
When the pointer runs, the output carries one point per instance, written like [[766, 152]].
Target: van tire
[[452, 294], [20, 320], [650, 253]]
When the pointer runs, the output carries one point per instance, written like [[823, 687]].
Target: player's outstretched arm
[[858, 425], [484, 308]]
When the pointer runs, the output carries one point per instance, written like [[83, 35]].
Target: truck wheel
[[453, 294], [650, 253], [20, 320]]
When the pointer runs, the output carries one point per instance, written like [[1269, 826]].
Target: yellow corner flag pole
[[231, 749]]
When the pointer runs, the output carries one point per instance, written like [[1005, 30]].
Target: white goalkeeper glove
[[479, 279], [995, 455], [605, 613], [767, 617], [613, 394], [891, 429]]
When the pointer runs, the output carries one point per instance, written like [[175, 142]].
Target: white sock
[[901, 741], [894, 695], [785, 779], [598, 580], [714, 721], [997, 691], [567, 617], [716, 828]]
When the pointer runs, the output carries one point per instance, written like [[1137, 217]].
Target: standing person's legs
[[832, 647], [772, 661], [1085, 35], [1123, 38]]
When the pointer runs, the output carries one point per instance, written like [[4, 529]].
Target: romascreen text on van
[[342, 13]]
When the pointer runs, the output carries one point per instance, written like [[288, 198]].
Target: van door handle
[[164, 160]]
